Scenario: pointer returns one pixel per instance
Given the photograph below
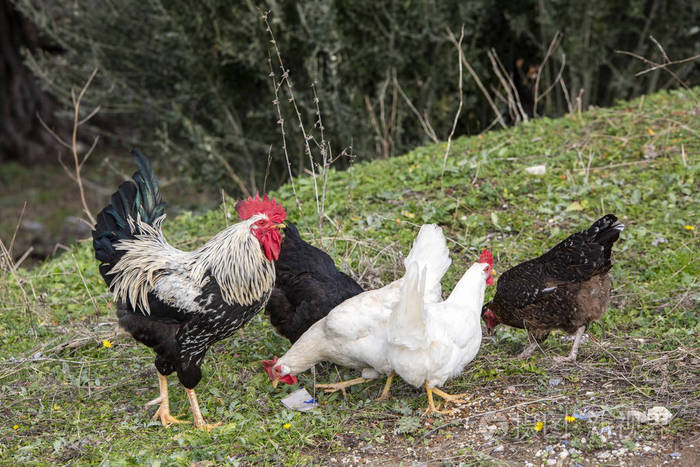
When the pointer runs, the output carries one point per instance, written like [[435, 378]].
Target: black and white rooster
[[177, 302]]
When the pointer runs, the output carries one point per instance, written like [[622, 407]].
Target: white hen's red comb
[[486, 257]]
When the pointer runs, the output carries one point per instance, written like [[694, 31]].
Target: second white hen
[[430, 342], [354, 333]]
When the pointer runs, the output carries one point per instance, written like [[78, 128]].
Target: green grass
[[65, 397]]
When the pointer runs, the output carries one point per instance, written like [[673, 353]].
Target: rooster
[[354, 333], [432, 342], [566, 288], [307, 286], [179, 303]]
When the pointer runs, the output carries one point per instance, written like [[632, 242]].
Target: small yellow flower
[[689, 227], [287, 426], [56, 407], [539, 426], [569, 419], [16, 427], [107, 343], [650, 132]]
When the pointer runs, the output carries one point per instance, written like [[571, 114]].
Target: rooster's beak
[[275, 382], [281, 225]]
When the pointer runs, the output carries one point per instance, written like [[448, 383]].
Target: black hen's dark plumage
[[565, 288], [307, 286]]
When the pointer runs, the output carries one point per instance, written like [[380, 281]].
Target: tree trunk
[[22, 138]]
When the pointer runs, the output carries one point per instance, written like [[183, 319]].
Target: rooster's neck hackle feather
[[233, 257]]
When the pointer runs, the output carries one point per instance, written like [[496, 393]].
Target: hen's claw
[[454, 398], [341, 385]]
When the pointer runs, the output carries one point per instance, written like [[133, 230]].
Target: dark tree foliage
[[21, 98], [192, 76]]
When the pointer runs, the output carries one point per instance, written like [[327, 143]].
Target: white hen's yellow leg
[[198, 419], [431, 403], [341, 385], [385, 392], [163, 411]]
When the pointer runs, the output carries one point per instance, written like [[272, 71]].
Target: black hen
[[178, 302], [566, 288], [307, 286]]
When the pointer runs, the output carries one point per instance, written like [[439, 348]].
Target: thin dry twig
[[552, 46], [74, 173], [486, 94], [459, 107], [284, 78], [660, 66], [424, 123]]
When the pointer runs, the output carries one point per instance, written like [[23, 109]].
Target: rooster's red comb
[[252, 206], [486, 257]]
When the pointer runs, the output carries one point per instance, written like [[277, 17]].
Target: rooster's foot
[[198, 419], [207, 426], [341, 385], [166, 419], [560, 359], [163, 411]]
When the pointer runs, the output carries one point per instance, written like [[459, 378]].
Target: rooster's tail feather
[[134, 200], [430, 251]]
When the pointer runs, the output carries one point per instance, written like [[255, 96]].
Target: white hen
[[354, 334], [428, 343]]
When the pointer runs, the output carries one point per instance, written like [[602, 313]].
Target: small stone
[[499, 448], [554, 381], [583, 440], [550, 448], [646, 449], [604, 454], [675, 455], [603, 439], [539, 453], [659, 415], [537, 169], [551, 462], [564, 453], [637, 416]]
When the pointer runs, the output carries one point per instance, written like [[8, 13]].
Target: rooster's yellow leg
[[431, 404], [198, 419], [385, 393], [454, 398], [341, 385], [163, 411]]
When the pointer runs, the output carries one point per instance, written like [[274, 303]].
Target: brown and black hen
[[307, 286], [566, 288]]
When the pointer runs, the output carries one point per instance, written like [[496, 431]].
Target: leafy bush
[[192, 77]]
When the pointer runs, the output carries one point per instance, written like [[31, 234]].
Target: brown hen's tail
[[605, 231]]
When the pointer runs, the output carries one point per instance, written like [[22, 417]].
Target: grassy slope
[[66, 397]]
